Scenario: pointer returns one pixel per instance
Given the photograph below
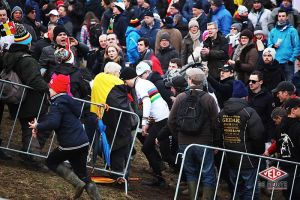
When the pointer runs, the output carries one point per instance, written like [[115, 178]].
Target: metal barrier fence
[[11, 145], [241, 154]]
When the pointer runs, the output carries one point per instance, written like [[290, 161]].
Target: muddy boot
[[92, 191], [71, 178], [208, 193], [192, 189]]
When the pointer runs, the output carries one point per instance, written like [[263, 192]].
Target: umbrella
[[104, 145]]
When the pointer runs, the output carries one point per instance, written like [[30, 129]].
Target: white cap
[[270, 51], [142, 67], [120, 5], [242, 9], [53, 12]]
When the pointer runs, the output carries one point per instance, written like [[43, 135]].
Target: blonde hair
[[112, 68]]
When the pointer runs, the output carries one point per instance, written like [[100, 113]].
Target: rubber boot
[[92, 191], [208, 193], [71, 178], [192, 186]]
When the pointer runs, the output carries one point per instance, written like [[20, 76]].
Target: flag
[[7, 29]]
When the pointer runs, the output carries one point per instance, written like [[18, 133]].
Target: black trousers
[[76, 157], [149, 149]]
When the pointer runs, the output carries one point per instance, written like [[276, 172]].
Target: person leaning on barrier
[[195, 79], [155, 115], [109, 89], [288, 146], [73, 142], [240, 128], [18, 58]]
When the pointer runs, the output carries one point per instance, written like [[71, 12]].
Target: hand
[[38, 24], [231, 62], [173, 98], [33, 124], [156, 142], [73, 41], [205, 51], [145, 130], [45, 7], [266, 153]]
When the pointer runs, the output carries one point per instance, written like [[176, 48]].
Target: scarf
[[237, 52], [195, 37], [281, 25]]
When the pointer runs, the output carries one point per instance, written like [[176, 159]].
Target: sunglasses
[[252, 81], [233, 28]]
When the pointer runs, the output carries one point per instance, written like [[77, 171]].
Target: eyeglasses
[[244, 37], [252, 81]]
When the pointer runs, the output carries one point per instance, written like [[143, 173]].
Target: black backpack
[[95, 31], [190, 115]]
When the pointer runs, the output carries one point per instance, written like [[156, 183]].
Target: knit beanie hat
[[270, 51], [64, 56], [57, 30], [128, 73], [247, 33], [238, 26], [165, 36], [168, 22], [242, 9], [120, 6], [148, 13], [193, 22], [218, 3], [198, 5], [60, 3], [60, 83], [28, 9], [204, 35], [239, 89], [134, 22], [22, 36], [16, 8], [258, 30]]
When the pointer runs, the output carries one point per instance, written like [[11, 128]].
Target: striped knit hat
[[134, 22], [64, 56], [22, 36]]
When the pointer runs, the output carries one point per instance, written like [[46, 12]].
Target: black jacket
[[120, 27], [77, 83], [164, 56], [273, 74], [218, 54], [38, 47], [63, 117], [27, 68], [263, 104], [240, 128], [288, 141], [223, 88], [157, 80]]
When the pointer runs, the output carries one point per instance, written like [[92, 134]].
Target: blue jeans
[[192, 165], [288, 71], [246, 183]]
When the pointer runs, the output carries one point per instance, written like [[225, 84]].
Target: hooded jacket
[[63, 117], [150, 32], [132, 37], [289, 40], [27, 68], [241, 129]]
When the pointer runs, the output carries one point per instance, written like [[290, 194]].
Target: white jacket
[[264, 19]]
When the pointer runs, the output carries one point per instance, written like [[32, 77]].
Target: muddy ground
[[19, 182]]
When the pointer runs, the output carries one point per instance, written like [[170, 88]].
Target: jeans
[[192, 165], [245, 183], [288, 70]]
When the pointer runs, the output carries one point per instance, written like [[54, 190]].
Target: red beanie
[[60, 83]]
